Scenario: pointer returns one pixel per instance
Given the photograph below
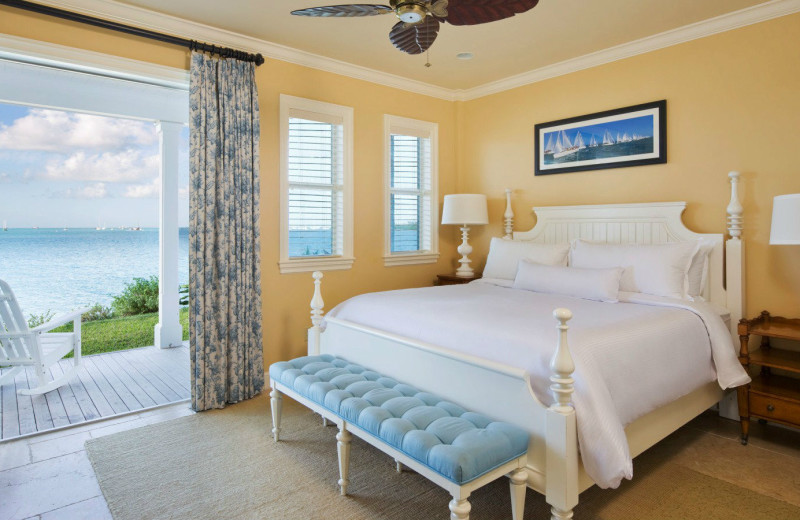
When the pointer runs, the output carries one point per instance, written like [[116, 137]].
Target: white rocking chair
[[21, 346]]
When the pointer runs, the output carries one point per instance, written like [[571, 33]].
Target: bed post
[[734, 258], [508, 217], [562, 437], [316, 316]]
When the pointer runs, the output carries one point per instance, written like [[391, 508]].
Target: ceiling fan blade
[[474, 12], [439, 9], [417, 38], [344, 10]]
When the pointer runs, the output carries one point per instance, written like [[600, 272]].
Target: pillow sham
[[698, 270], [504, 255], [659, 269], [589, 284]]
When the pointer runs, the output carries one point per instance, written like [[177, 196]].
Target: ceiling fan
[[420, 19]]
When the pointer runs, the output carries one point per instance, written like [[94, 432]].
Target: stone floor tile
[[14, 454], [62, 445], [93, 508], [43, 486]]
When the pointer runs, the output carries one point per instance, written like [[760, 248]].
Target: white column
[[168, 331]]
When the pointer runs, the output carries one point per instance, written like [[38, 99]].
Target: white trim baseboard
[[145, 18]]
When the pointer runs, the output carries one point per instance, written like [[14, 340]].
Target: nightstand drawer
[[770, 407]]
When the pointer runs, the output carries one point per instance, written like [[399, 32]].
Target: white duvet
[[630, 357]]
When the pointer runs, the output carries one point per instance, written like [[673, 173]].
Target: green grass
[[121, 333]]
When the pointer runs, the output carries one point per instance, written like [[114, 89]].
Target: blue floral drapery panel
[[224, 244]]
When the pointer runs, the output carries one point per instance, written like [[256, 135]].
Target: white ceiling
[[554, 31]]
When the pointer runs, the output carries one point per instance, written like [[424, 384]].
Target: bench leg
[[459, 509], [398, 466], [519, 486], [343, 447], [560, 514], [276, 402]]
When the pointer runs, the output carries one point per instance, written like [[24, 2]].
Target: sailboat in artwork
[[608, 138], [563, 146], [579, 144], [549, 147], [592, 142], [5, 225]]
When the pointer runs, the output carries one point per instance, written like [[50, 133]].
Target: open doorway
[[83, 207]]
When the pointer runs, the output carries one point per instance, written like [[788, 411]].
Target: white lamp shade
[[465, 209], [785, 220]]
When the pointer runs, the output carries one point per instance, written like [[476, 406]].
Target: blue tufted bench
[[456, 449]]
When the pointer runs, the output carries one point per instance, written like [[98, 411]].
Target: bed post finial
[[562, 364], [316, 314], [735, 208], [508, 217]]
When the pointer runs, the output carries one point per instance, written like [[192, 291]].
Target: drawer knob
[[770, 408]]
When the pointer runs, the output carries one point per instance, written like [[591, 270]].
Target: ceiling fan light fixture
[[464, 55], [411, 12]]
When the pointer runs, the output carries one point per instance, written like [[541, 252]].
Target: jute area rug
[[223, 465]]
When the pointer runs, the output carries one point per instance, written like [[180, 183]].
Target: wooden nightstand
[[451, 279], [770, 397]]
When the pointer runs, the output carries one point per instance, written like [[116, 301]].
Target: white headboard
[[648, 223]]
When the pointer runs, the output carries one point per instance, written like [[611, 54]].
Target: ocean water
[[59, 270], [62, 269]]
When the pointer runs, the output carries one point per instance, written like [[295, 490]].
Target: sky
[[66, 169]]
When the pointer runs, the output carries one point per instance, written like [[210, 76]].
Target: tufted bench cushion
[[455, 443]]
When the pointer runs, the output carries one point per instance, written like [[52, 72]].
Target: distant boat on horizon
[[5, 225]]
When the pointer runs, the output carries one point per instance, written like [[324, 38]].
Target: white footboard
[[501, 392]]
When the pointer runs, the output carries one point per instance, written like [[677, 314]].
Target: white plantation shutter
[[315, 188], [411, 204], [410, 193], [316, 201]]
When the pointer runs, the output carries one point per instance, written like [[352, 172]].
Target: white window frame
[[290, 105], [427, 130]]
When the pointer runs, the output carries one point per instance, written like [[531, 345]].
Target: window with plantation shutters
[[411, 202], [316, 183]]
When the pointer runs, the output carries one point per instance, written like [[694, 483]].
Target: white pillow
[[504, 255], [659, 269], [589, 284], [698, 270]]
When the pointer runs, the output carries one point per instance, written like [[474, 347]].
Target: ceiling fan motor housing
[[410, 12]]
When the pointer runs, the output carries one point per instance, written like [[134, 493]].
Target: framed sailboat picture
[[630, 136]]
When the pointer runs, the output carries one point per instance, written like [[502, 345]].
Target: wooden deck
[[107, 385]]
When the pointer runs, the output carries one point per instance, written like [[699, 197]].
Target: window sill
[[304, 265], [410, 259]]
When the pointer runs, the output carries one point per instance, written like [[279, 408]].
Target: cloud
[[125, 166], [92, 191], [58, 131], [144, 191], [5, 178]]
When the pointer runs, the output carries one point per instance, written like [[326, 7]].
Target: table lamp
[[465, 209], [785, 228]]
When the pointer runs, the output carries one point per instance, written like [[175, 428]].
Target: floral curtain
[[224, 244]]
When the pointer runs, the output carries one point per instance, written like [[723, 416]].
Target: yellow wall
[[286, 297], [732, 104]]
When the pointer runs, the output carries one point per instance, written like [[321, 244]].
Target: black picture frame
[[600, 145]]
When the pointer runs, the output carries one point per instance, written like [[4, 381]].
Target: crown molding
[[154, 21], [137, 16], [722, 23]]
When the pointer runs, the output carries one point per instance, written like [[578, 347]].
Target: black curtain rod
[[226, 52]]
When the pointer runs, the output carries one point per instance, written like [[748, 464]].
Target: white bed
[[448, 356]]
